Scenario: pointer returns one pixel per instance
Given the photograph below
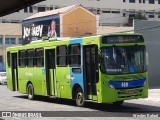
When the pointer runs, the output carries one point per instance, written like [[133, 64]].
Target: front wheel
[[30, 92], [117, 103], [79, 97]]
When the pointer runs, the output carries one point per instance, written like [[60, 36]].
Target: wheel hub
[[80, 97]]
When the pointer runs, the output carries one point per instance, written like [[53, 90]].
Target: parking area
[[15, 101]]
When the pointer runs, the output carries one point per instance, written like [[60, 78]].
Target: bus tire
[[30, 91], [118, 103], [79, 97]]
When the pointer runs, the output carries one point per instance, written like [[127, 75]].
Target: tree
[[138, 16]]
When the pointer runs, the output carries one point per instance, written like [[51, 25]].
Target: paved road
[[14, 101]]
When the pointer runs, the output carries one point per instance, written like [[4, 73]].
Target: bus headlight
[[145, 82], [108, 85]]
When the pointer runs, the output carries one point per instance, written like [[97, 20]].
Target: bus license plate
[[130, 91]]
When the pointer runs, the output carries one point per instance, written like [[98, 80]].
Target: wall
[[112, 29], [9, 30], [113, 5], [79, 22], [117, 18], [152, 39]]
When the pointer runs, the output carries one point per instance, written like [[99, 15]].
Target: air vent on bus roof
[[38, 41], [63, 38]]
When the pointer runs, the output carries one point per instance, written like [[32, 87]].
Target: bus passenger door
[[14, 70], [50, 72], [91, 71]]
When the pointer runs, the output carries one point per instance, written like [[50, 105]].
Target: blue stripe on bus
[[128, 84], [78, 77]]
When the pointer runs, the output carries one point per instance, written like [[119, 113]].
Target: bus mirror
[[147, 58]]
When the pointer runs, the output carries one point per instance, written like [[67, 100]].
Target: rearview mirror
[[147, 58]]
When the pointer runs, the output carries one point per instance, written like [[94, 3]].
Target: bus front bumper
[[112, 95]]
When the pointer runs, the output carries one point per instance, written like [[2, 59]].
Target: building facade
[[111, 12], [10, 35], [70, 21]]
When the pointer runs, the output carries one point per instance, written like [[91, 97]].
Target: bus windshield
[[123, 60]]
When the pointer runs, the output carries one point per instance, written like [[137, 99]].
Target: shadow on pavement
[[125, 107]]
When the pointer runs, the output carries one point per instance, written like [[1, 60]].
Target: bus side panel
[[38, 79], [63, 82], [42, 79], [9, 78], [107, 94], [146, 87], [34, 75], [78, 73], [23, 79]]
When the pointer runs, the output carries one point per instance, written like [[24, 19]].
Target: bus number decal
[[124, 84]]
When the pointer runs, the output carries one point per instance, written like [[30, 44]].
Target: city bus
[[107, 68]]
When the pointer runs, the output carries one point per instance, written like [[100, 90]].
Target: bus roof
[[62, 40]]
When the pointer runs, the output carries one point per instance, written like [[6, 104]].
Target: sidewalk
[[154, 95]]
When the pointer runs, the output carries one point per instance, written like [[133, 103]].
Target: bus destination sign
[[122, 39]]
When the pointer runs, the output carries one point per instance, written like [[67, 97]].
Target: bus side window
[[62, 55], [39, 57], [30, 57], [74, 55], [22, 58]]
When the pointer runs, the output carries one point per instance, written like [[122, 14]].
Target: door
[[14, 70], [91, 70], [50, 72]]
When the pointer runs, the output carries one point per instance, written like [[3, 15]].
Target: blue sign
[[43, 71], [127, 84], [132, 69]]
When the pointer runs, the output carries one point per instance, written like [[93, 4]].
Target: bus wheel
[[79, 97], [117, 103], [30, 92]]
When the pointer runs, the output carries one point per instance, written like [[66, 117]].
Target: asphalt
[[15, 101]]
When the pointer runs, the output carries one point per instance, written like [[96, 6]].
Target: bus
[[107, 68]]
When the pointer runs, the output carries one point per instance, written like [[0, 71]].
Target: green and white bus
[[104, 69]]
